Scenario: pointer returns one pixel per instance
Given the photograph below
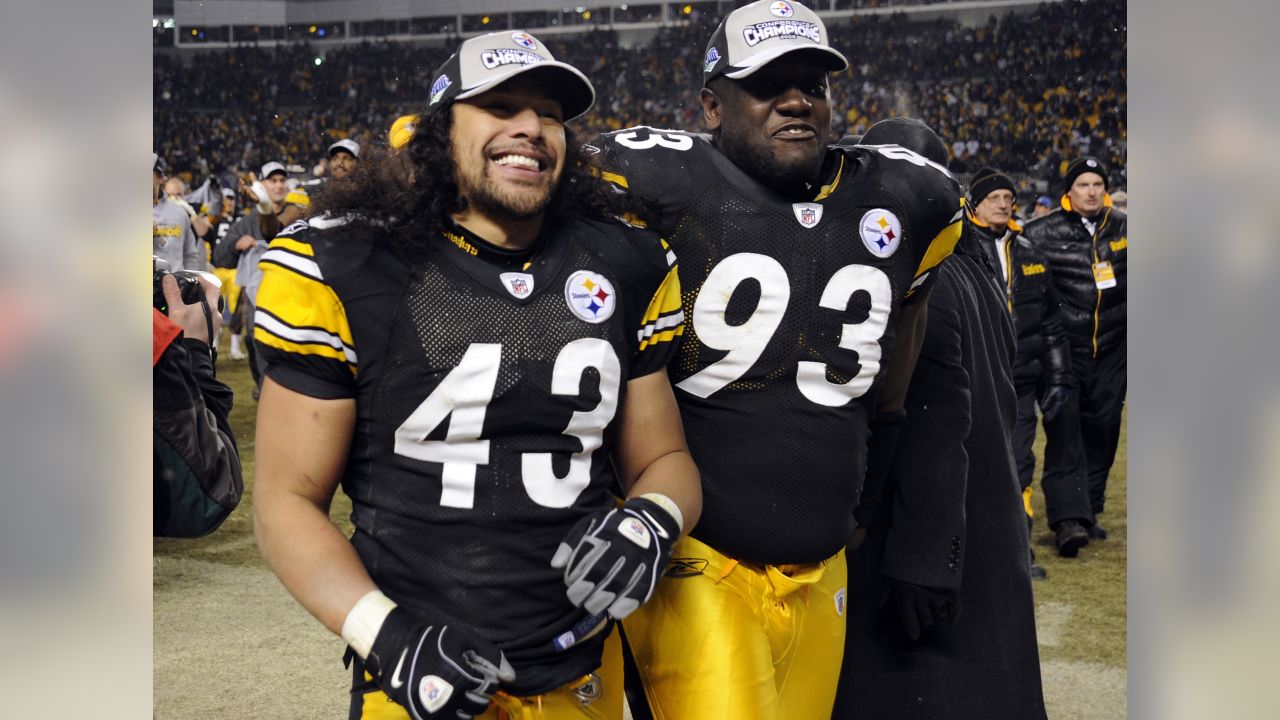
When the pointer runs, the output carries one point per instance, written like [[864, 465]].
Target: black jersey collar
[[496, 268]]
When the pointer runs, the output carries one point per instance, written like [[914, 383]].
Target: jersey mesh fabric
[[487, 565], [780, 472]]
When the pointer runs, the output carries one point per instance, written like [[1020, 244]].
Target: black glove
[[1054, 399], [920, 607], [613, 559], [436, 671]]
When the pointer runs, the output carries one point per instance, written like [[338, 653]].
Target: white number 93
[[746, 342]]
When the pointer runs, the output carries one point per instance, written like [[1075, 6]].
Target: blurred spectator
[[1044, 204], [1085, 244], [196, 474], [1120, 201], [1021, 92], [227, 274], [249, 238], [172, 238], [344, 155]]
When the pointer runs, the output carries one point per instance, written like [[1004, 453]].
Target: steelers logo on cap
[[590, 296], [524, 40], [781, 9], [881, 232]]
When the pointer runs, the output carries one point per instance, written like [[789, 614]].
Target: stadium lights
[[194, 32], [484, 20], [319, 60], [623, 7], [311, 29], [155, 22], [687, 9], [168, 24], [579, 9], [586, 15]]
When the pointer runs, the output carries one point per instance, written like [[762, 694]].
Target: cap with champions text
[[482, 63], [755, 35]]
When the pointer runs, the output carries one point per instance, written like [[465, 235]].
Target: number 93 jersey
[[790, 310], [487, 385]]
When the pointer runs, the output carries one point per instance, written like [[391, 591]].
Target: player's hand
[[1055, 398], [257, 192], [613, 559], [920, 607], [436, 671], [244, 242]]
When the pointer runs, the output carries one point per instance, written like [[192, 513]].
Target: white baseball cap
[[347, 144], [272, 167]]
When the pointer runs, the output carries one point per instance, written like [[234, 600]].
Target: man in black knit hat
[[1086, 248], [1042, 365]]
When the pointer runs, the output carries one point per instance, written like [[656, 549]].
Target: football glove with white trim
[[436, 671], [613, 559]]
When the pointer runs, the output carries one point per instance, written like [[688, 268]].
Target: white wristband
[[365, 620], [667, 504]]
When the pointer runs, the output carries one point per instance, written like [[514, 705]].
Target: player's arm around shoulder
[[654, 164]]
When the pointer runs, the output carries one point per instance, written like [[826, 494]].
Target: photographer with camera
[[196, 477]]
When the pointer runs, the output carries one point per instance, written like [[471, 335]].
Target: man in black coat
[[1041, 366], [950, 530], [1086, 246]]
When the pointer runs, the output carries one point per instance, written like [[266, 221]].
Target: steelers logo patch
[[881, 232], [524, 40], [781, 9], [590, 296]]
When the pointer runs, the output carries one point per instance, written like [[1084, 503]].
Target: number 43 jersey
[[790, 310], [488, 386]]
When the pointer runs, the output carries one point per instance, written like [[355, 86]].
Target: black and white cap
[[757, 34], [347, 144], [482, 63]]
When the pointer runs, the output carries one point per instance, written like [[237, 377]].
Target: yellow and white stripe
[[663, 320], [297, 312]]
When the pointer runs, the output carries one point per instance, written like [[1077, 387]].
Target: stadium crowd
[[1026, 92]]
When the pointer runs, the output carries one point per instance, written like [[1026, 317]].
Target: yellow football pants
[[560, 704], [739, 642]]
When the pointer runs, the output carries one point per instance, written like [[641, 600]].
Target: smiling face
[[776, 123], [508, 145]]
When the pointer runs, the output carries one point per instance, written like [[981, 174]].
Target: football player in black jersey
[[467, 344], [803, 266]]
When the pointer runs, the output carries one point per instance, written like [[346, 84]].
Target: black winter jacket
[[1043, 357], [1094, 319]]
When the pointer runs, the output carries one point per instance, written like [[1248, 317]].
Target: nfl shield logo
[[519, 285], [808, 214]]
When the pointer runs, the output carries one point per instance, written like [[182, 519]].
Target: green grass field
[[230, 643]]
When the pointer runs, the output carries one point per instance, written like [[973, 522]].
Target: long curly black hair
[[405, 197]]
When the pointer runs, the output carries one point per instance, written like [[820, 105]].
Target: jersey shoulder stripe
[[299, 317]]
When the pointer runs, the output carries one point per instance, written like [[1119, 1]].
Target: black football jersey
[[789, 313], [487, 386]]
